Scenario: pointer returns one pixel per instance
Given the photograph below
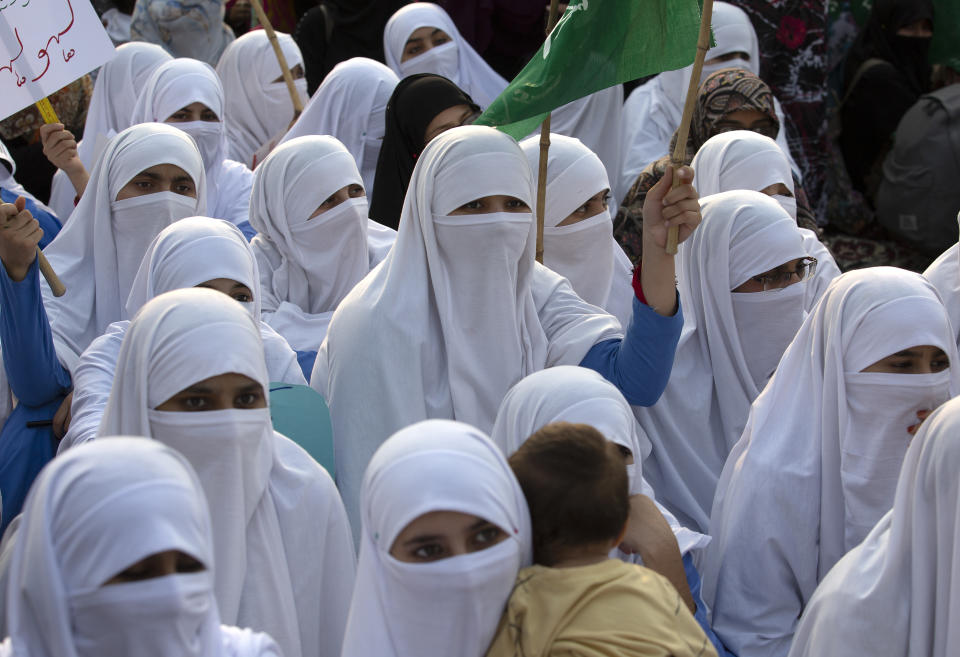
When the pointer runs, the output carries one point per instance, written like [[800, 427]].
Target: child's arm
[[649, 535]]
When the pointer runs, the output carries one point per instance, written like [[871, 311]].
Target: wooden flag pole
[[56, 285], [680, 149], [284, 68], [544, 149]]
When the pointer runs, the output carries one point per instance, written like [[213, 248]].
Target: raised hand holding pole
[[56, 285], [680, 149]]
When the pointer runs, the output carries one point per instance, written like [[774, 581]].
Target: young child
[[575, 599]]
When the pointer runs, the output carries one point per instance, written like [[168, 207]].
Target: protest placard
[[44, 46]]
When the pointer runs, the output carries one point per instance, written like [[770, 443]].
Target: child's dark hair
[[576, 486]]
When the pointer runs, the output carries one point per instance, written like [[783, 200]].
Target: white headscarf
[[652, 112], [743, 159], [944, 274], [285, 564], [456, 60], [898, 592], [186, 253], [307, 265], [350, 105], [456, 314], [818, 462], [703, 410], [184, 29], [584, 253], [90, 515], [257, 107], [449, 607], [175, 85], [115, 92], [98, 252], [576, 394]]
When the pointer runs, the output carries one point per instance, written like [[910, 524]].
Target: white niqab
[[805, 483], [456, 60], [742, 159], [455, 292], [584, 253], [308, 265], [90, 515], [944, 274], [452, 606], [703, 410], [257, 105], [350, 105], [580, 395], [285, 564], [905, 573], [96, 261]]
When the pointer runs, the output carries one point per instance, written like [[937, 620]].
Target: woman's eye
[[488, 535], [516, 203], [440, 40], [581, 210], [248, 399], [242, 297], [413, 50], [939, 365], [143, 184], [472, 205], [210, 116], [357, 190], [194, 403], [184, 190], [428, 552]]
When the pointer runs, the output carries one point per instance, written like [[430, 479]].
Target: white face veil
[[274, 509], [583, 252], [944, 274], [451, 606], [453, 292], [257, 107], [906, 570], [703, 410], [99, 250], [817, 464], [350, 105], [579, 395], [456, 60], [310, 262], [91, 514]]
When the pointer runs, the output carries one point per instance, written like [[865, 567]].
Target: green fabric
[[596, 44], [300, 413], [945, 48]]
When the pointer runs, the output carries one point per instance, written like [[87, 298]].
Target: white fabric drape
[[281, 538], [99, 250], [452, 606], [652, 112], [257, 107], [308, 265], [944, 274], [742, 159], [898, 593], [185, 254], [704, 408], [115, 92], [350, 105], [584, 253], [818, 461], [458, 61], [457, 312], [579, 395], [89, 516], [175, 85]]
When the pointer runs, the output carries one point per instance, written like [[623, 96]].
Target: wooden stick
[[284, 68], [680, 149], [56, 285], [544, 149]]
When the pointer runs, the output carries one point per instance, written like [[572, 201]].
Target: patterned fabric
[[722, 93], [70, 104], [184, 28]]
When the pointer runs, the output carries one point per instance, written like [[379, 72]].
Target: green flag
[[596, 44], [945, 48]]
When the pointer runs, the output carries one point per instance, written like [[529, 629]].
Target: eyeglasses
[[778, 280]]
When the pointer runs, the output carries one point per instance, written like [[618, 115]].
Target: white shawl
[[281, 538], [944, 274], [785, 509]]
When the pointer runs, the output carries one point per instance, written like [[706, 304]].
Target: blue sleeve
[[306, 360], [693, 580], [25, 451], [48, 222], [35, 374], [248, 231], [640, 363]]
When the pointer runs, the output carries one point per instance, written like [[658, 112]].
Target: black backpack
[[919, 196]]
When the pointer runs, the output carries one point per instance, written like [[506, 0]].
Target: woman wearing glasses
[[741, 285], [817, 465]]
